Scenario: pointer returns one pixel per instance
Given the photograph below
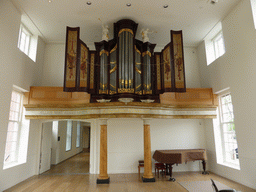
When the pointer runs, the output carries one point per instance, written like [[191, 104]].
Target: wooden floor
[[63, 177], [78, 164]]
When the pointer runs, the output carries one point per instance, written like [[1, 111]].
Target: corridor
[[78, 164]]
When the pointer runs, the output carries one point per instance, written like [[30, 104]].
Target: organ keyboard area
[[179, 156], [124, 67]]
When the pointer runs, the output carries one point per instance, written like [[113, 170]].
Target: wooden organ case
[[124, 67]]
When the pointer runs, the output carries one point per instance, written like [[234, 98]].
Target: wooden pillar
[[148, 175], [103, 177]]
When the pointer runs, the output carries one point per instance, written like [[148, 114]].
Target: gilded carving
[[92, 72], [113, 49], [103, 92], [71, 59], [147, 86], [147, 92], [112, 92], [138, 86], [103, 86], [167, 68], [137, 50], [178, 61], [113, 70], [137, 70], [114, 87], [124, 90], [128, 30], [104, 51], [83, 65], [158, 72], [146, 53]]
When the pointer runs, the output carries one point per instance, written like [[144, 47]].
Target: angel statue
[[105, 31], [144, 33]]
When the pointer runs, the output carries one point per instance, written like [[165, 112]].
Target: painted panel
[[167, 68], [92, 64], [84, 60], [178, 59], [72, 43]]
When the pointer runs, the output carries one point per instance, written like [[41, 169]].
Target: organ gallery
[[124, 68]]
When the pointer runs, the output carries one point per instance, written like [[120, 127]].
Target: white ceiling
[[194, 17]]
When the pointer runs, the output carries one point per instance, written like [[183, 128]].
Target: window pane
[[229, 141], [9, 157], [229, 127], [24, 40], [78, 134], [227, 108], [14, 116], [10, 147], [27, 44], [12, 139], [69, 136], [12, 126], [219, 46], [15, 97], [15, 106], [12, 136], [227, 117]]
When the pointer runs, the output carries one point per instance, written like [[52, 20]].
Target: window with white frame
[[17, 132], [24, 40], [219, 47], [253, 6], [214, 44], [78, 133], [227, 130], [69, 136]]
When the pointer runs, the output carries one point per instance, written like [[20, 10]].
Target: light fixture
[[128, 4], [50, 1], [126, 100], [88, 3], [214, 1], [103, 100], [165, 6]]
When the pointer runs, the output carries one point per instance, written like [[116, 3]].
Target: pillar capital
[[103, 121], [146, 121]]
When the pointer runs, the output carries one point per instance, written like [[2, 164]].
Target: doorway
[[65, 148]]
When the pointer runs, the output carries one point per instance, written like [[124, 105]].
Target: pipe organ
[[124, 67]]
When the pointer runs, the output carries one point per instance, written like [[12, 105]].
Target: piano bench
[[160, 167], [141, 164]]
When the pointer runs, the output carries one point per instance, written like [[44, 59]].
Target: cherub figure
[[144, 33], [105, 31]]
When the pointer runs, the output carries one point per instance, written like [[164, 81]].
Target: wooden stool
[[158, 167], [141, 164]]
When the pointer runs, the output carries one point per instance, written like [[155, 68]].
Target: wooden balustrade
[[56, 95]]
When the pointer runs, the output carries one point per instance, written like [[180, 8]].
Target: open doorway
[[86, 132], [66, 144]]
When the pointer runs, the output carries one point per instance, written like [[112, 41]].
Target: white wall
[[16, 69], [14, 175], [236, 69], [126, 147], [62, 133], [53, 70]]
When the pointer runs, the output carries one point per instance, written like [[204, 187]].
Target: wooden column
[[103, 177], [148, 175]]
